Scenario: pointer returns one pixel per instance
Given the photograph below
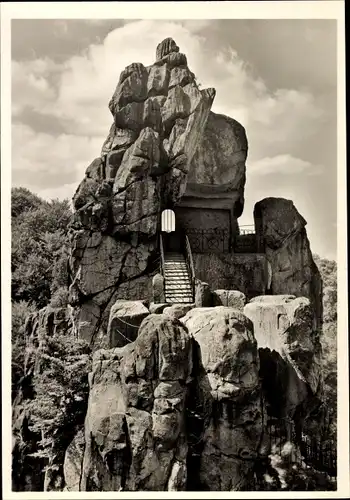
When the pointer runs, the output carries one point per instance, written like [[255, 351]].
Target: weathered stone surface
[[134, 210], [85, 192], [177, 105], [152, 117], [157, 308], [203, 294], [229, 298], [113, 161], [143, 168], [101, 263], [73, 462], [158, 289], [229, 393], [85, 320], [166, 47], [281, 229], [180, 76], [158, 80], [178, 310], [138, 159], [290, 346], [124, 320], [130, 117], [132, 87], [135, 424], [95, 170], [118, 139], [245, 272], [220, 157]]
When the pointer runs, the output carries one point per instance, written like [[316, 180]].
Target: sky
[[276, 77]]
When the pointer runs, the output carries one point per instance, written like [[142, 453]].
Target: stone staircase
[[177, 280]]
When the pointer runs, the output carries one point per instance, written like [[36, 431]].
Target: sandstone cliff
[[159, 116], [282, 234]]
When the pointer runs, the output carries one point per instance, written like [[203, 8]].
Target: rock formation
[[159, 117], [282, 233], [290, 353], [180, 395], [135, 424]]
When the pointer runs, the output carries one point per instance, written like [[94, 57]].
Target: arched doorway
[[168, 221], [172, 239]]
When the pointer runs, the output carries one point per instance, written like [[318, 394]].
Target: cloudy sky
[[277, 77]]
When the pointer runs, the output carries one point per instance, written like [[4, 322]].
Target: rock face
[[159, 115], [229, 298], [135, 424], [290, 352], [124, 320], [281, 231], [72, 462], [220, 157], [227, 409], [179, 408]]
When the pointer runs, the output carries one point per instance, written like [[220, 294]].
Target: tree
[[39, 247], [59, 406], [328, 270], [22, 200]]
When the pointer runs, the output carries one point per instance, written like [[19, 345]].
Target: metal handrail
[[189, 259], [162, 258]]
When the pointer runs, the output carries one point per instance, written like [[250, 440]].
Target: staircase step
[[177, 289], [175, 261], [178, 295], [176, 272], [175, 264], [171, 283]]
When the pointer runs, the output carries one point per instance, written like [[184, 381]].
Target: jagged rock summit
[[159, 116]]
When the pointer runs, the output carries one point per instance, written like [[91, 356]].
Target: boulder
[[290, 351], [178, 310], [281, 232], [157, 308], [203, 294], [229, 298], [125, 318], [220, 157], [158, 289], [225, 400], [135, 424]]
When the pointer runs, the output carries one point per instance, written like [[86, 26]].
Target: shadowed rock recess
[[181, 395]]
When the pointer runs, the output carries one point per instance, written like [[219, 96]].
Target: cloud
[[283, 165], [87, 81], [65, 191], [31, 85], [47, 161]]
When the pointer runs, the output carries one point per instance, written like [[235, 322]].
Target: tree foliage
[[328, 270], [61, 393], [39, 247]]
